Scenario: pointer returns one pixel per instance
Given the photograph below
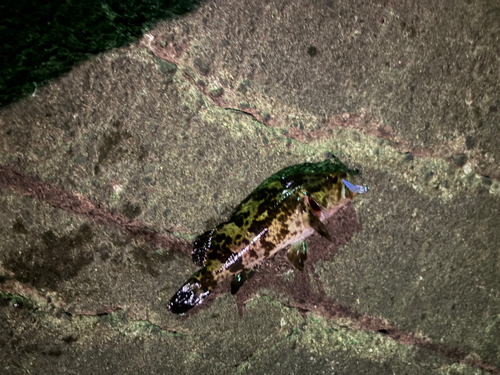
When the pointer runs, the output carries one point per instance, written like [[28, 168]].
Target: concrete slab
[[107, 175]]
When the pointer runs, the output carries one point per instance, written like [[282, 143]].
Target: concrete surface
[[109, 172]]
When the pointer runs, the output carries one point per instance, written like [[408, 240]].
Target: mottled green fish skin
[[284, 209]]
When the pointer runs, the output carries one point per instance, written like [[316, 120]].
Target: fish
[[282, 212]]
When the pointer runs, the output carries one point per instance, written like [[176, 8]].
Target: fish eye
[[335, 179]]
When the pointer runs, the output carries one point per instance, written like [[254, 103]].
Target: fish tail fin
[[192, 293]]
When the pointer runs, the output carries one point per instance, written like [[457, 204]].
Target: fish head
[[331, 189]]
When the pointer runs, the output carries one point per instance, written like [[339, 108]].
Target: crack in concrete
[[330, 310], [115, 309], [248, 357], [345, 120], [246, 113], [19, 301], [351, 121], [58, 198], [77, 204]]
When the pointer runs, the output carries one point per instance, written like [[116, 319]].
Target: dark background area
[[42, 40]]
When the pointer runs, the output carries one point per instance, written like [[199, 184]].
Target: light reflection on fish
[[281, 212]]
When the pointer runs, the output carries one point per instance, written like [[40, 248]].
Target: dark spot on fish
[[267, 245], [222, 252], [244, 214], [283, 232], [238, 220], [237, 265], [220, 238], [335, 179]]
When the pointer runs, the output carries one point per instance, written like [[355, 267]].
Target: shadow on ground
[[42, 40]]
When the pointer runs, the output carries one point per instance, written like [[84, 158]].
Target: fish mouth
[[189, 296]]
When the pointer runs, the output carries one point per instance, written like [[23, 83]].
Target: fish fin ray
[[316, 224], [297, 254]]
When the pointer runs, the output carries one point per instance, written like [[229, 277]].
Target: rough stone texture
[[163, 138]]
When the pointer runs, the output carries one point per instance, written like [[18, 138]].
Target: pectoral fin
[[314, 212], [318, 226], [298, 254], [239, 280]]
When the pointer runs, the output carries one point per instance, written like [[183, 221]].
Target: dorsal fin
[[201, 246]]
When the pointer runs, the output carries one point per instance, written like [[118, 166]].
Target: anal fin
[[298, 254]]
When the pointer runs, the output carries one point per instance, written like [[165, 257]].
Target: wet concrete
[[109, 172]]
